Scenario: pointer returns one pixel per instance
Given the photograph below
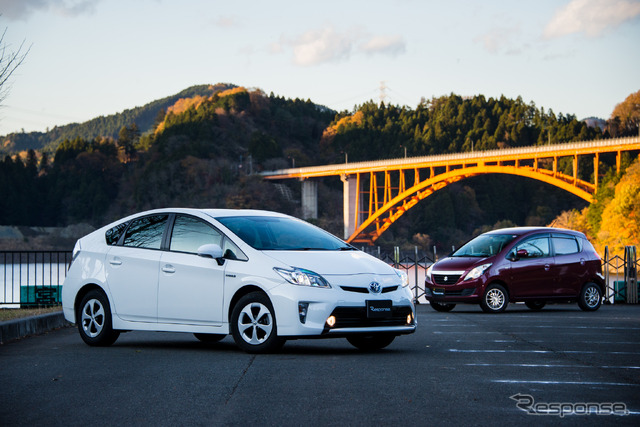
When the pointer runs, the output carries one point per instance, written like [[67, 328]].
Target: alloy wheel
[[592, 296], [255, 323], [93, 318], [495, 299]]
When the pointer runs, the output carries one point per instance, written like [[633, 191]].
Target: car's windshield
[[282, 234], [484, 245]]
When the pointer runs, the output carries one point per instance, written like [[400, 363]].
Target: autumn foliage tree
[[621, 217], [625, 119]]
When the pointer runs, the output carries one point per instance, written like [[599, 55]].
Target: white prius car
[[262, 277]]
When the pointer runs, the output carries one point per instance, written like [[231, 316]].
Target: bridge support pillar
[[350, 191], [309, 199]]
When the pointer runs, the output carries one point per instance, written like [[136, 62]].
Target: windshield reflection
[[282, 234], [484, 246]]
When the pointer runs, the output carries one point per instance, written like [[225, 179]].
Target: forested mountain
[[203, 150], [144, 117], [450, 124]]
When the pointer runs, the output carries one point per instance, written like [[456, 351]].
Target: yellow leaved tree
[[621, 217]]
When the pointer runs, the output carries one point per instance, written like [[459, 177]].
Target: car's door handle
[[168, 268], [547, 267], [115, 261]]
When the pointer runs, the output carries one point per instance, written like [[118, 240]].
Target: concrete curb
[[11, 330]]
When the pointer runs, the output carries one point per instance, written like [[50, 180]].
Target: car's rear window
[[565, 245]]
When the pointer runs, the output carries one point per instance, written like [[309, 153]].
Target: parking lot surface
[[463, 367]]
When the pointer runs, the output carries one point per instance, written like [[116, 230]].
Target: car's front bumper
[[346, 306], [462, 291]]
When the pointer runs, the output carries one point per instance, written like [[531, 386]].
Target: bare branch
[[9, 62]]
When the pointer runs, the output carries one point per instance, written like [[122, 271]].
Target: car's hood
[[459, 263], [329, 263]]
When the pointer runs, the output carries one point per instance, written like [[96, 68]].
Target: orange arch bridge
[[377, 193]]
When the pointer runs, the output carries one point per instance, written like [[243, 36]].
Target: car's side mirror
[[211, 251], [520, 253]]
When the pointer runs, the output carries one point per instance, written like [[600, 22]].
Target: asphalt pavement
[[460, 368]]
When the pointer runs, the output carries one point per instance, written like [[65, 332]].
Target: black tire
[[440, 306], [253, 324], [590, 297], [495, 299], [371, 342], [209, 338], [94, 320], [535, 305]]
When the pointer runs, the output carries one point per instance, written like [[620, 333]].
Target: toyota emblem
[[374, 287]]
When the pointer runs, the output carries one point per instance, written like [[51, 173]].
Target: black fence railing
[[32, 278], [414, 263], [621, 276]]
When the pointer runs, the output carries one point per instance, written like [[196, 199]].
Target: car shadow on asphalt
[[316, 347]]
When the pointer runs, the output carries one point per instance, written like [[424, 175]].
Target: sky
[[88, 58]]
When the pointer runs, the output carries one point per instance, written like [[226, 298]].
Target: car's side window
[[537, 247], [190, 233], [565, 245], [112, 236], [146, 232]]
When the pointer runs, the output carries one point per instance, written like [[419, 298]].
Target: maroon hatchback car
[[534, 265]]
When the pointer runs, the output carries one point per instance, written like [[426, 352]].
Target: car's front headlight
[[404, 278], [477, 271], [302, 277], [428, 272]]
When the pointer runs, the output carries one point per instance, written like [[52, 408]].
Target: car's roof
[[519, 231], [214, 213]]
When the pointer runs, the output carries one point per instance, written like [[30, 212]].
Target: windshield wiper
[[307, 249]]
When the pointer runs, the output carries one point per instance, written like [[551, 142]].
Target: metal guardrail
[[621, 276], [32, 278], [569, 148]]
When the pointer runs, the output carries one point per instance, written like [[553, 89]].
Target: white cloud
[[329, 45], [592, 17], [319, 46], [391, 45], [22, 9]]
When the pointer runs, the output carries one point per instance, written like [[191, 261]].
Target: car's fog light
[[303, 307], [409, 319], [331, 321]]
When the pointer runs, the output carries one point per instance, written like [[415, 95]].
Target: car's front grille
[[445, 279], [447, 293], [366, 290], [355, 289], [356, 317]]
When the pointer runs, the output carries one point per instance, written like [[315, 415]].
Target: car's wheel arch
[[245, 290], [81, 294], [501, 283], [592, 282]]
